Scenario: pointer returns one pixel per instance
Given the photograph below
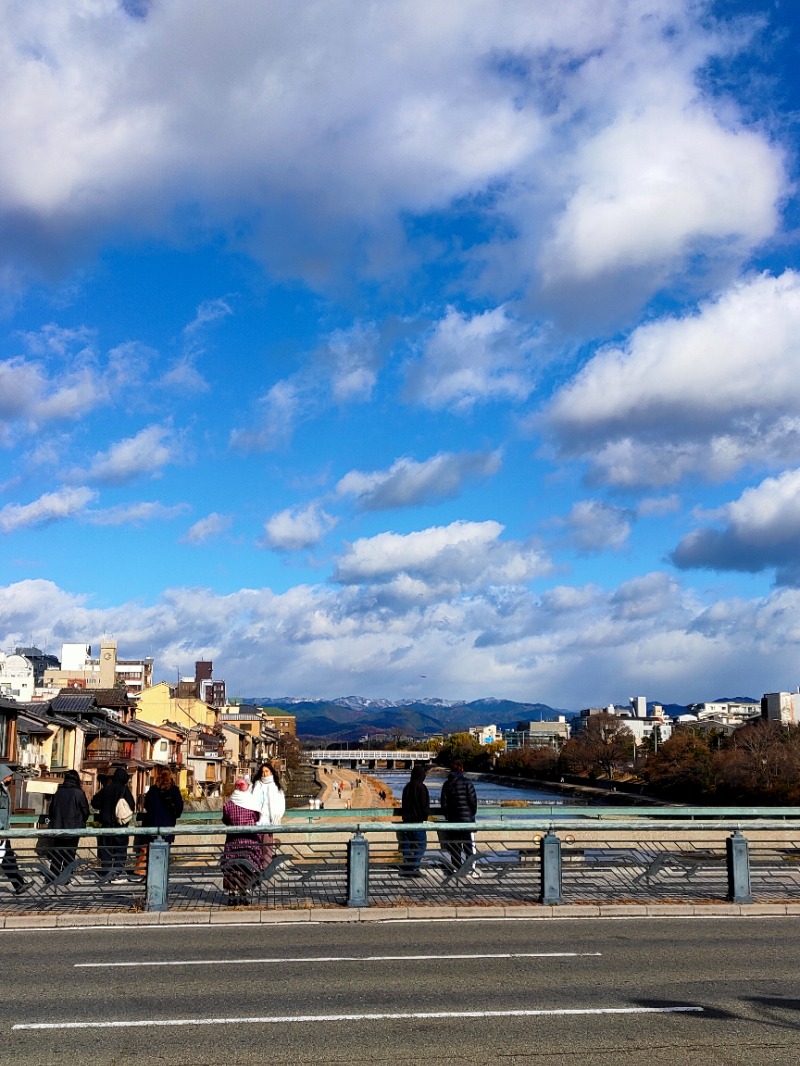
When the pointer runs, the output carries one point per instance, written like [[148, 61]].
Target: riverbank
[[341, 789]]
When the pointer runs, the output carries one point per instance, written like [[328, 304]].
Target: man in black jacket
[[459, 804], [416, 807]]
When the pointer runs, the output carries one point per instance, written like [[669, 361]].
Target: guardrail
[[708, 856]]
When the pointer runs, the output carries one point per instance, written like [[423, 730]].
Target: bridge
[[370, 760]]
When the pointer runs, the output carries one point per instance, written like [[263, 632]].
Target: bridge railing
[[535, 860]]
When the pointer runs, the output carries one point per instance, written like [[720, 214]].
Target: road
[[661, 992]]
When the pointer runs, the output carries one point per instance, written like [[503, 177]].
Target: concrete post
[[550, 853], [157, 875], [738, 858], [358, 871]]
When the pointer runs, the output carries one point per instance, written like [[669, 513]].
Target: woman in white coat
[[269, 799]]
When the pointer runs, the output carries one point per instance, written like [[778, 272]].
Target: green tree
[[462, 746]]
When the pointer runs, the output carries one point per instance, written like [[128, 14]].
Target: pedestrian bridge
[[370, 760]]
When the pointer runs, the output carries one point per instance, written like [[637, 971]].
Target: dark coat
[[69, 807], [162, 807], [416, 802], [459, 802], [105, 801]]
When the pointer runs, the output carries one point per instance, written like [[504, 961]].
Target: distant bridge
[[392, 760]]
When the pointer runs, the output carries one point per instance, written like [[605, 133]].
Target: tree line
[[759, 763]]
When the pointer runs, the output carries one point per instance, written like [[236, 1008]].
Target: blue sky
[[404, 350]]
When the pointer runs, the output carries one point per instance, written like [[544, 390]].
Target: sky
[[405, 349]]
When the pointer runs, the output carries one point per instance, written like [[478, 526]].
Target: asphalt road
[[704, 992]]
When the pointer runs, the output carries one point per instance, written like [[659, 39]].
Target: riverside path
[[656, 991]]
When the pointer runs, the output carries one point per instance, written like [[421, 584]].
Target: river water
[[487, 791]]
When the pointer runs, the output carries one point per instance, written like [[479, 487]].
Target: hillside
[[349, 718]]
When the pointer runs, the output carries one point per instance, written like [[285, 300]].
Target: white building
[[16, 678], [730, 712], [485, 734]]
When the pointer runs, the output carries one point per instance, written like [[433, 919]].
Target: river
[[487, 791]]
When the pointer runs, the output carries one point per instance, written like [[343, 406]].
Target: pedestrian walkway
[[359, 791]]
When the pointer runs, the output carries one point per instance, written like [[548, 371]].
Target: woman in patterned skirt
[[243, 855]]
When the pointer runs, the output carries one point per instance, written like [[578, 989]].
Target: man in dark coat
[[69, 809], [8, 863], [459, 804], [112, 850], [415, 807]]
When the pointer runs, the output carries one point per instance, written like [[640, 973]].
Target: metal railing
[[359, 863]]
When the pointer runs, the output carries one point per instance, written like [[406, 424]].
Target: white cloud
[[438, 559], [353, 359], [468, 360], [657, 183], [408, 483], [135, 514], [705, 393], [145, 453], [50, 507], [578, 647], [207, 528], [596, 526], [297, 528], [257, 129], [760, 531]]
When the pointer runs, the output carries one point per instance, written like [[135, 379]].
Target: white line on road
[[342, 958], [399, 1016]]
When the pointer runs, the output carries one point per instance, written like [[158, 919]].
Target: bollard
[[737, 853], [358, 871], [550, 852], [157, 875]]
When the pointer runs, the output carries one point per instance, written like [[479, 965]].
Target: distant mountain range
[[352, 717]]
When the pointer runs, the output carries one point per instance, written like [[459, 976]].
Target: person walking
[[8, 860], [268, 795], [415, 807], [459, 804], [112, 850], [69, 809], [243, 854]]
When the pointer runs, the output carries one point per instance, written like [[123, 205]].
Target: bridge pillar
[[550, 853], [737, 853], [157, 875], [358, 871]]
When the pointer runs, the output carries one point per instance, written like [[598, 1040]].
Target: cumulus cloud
[[471, 359], [297, 528], [207, 528], [575, 648], [441, 559], [50, 507], [143, 454], [408, 483], [704, 393], [531, 111], [596, 526], [658, 182], [759, 531]]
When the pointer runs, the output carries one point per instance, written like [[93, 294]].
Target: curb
[[372, 915]]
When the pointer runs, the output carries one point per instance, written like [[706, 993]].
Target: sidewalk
[[524, 912]]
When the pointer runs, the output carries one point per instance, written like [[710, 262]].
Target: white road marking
[[342, 958], [288, 1019]]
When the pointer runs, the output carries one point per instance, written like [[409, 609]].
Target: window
[[4, 738]]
